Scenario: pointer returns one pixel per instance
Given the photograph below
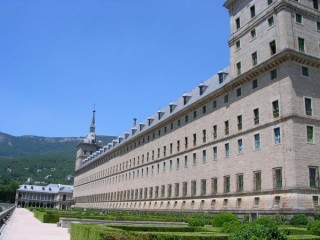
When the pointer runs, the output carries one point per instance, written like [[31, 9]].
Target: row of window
[[181, 189], [240, 145], [271, 20], [170, 164]]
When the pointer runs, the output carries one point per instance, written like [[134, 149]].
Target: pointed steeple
[[92, 126]]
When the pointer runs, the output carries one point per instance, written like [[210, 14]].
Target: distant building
[[246, 140], [51, 196]]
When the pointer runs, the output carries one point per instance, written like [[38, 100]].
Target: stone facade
[[246, 140]]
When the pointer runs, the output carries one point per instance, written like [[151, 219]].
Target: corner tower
[[87, 146]]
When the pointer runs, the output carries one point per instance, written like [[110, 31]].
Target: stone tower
[[87, 146]]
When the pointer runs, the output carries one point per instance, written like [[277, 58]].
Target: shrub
[[314, 227], [266, 221], [221, 218], [317, 215], [196, 222], [230, 227], [280, 219], [255, 231], [299, 219]]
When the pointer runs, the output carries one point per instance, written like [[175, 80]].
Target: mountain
[[43, 159]]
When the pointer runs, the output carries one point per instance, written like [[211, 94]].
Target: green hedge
[[158, 229], [103, 232]]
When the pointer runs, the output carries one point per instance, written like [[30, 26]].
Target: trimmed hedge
[[157, 229], [103, 232], [314, 227], [196, 222]]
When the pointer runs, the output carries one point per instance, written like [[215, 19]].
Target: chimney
[[134, 122]]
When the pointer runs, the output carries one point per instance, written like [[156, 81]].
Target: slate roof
[[51, 188], [211, 85]]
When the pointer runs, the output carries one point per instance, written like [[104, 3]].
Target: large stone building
[[50, 196], [246, 140]]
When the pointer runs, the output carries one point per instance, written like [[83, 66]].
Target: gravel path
[[23, 226]]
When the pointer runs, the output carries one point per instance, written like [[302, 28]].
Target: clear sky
[[129, 57]]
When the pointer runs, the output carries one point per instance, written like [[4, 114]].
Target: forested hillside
[[40, 159]]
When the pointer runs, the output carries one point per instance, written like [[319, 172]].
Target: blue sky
[[129, 57]]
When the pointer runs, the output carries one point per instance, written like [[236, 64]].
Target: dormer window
[[186, 98], [133, 130], [222, 76], [160, 114], [150, 120], [141, 126], [202, 88], [172, 107]]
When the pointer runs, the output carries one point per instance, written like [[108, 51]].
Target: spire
[[92, 126]]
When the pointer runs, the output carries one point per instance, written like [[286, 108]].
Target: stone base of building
[[261, 204]]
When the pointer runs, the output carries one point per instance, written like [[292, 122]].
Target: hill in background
[[42, 159]]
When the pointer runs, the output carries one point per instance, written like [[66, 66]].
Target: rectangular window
[[273, 47], [215, 153], [275, 108], [226, 127], [215, 131], [186, 118], [238, 67], [186, 142], [170, 165], [184, 188], [310, 134], [186, 161], [253, 11], [164, 166], [318, 26], [254, 83], [257, 141], [194, 158], [204, 155], [194, 139], [176, 189], [273, 74], [253, 33], [226, 98], [193, 188], [238, 92], [315, 4], [156, 192], [214, 185], [239, 182], [254, 57], [204, 109], [226, 184], [240, 146], [301, 44], [204, 135], [203, 187], [227, 150], [257, 180], [256, 115], [178, 146], [214, 104], [277, 135], [298, 18], [270, 21], [163, 188], [169, 190], [305, 71], [194, 114], [239, 119], [178, 163], [270, 2], [277, 178], [238, 23], [238, 44], [313, 177], [308, 106]]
